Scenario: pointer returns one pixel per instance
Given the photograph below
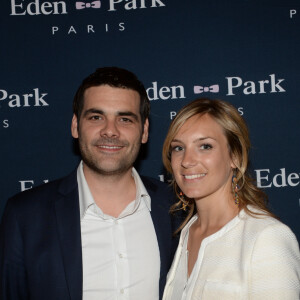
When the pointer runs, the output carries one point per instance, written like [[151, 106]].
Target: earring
[[183, 201], [235, 189]]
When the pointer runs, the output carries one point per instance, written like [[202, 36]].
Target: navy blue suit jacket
[[40, 240]]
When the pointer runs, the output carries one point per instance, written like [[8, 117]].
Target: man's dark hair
[[114, 77]]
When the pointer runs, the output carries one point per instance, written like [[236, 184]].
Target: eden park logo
[[33, 98], [237, 85], [37, 7], [82, 5]]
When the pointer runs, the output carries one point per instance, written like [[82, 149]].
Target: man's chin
[[107, 169]]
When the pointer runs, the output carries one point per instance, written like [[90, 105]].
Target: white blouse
[[248, 258]]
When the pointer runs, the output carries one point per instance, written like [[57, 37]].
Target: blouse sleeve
[[275, 265]]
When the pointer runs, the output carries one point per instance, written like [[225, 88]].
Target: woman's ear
[[234, 162]]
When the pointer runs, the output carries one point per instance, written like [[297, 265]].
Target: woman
[[231, 246]]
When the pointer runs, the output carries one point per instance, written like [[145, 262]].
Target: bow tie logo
[[198, 89], [82, 5]]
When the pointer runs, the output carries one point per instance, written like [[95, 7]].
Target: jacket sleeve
[[275, 265], [13, 283]]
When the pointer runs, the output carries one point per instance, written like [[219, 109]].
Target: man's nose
[[110, 129]]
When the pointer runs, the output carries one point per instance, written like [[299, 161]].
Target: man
[[102, 232]]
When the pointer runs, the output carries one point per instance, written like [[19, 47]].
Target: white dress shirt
[[120, 256]]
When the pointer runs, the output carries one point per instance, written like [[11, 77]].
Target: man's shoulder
[[45, 191]]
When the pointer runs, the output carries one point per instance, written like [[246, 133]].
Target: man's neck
[[111, 193]]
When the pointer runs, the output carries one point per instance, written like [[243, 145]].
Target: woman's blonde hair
[[237, 135]]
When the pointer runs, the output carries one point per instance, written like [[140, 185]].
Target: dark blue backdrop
[[245, 52]]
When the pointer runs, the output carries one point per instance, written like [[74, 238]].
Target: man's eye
[[125, 120], [95, 117]]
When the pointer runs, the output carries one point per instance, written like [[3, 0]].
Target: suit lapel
[[68, 224], [163, 228], [163, 231]]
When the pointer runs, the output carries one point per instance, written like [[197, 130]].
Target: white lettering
[[282, 177], [231, 86], [143, 5], [39, 98], [72, 29], [134, 4], [5, 124], [259, 178], [158, 2], [279, 180], [13, 9], [90, 28], [250, 89], [153, 90], [15, 101], [165, 92], [172, 114], [241, 110], [130, 5], [4, 95], [276, 85], [262, 86], [24, 186], [291, 177], [161, 178], [35, 8], [121, 26], [292, 13], [174, 94], [112, 4], [24, 100], [54, 29], [44, 7], [62, 10]]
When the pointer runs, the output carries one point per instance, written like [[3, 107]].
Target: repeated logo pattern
[[198, 89], [82, 5]]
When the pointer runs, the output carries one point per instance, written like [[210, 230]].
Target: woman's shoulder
[[260, 225]]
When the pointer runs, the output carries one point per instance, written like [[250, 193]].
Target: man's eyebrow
[[119, 113], [128, 114], [93, 111]]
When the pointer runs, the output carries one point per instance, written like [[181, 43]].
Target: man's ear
[[74, 127], [146, 132]]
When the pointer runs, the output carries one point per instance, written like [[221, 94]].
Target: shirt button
[[121, 255], [116, 222], [122, 291]]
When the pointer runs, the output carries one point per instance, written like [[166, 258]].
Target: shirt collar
[[86, 199]]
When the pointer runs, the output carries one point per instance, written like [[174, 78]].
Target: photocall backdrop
[[245, 52]]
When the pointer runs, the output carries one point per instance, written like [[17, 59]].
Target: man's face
[[110, 131]]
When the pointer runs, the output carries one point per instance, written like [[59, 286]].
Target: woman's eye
[[206, 146], [177, 148]]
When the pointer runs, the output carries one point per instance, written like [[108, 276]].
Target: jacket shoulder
[[41, 194]]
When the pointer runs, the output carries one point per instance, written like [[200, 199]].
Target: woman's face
[[200, 159]]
